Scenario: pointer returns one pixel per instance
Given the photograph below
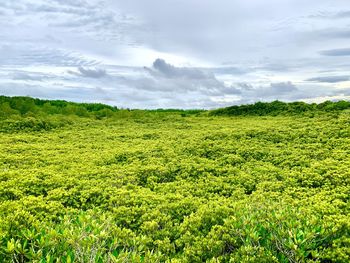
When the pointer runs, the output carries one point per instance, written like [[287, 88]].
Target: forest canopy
[[27, 106]]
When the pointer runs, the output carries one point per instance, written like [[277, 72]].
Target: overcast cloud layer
[[175, 54]]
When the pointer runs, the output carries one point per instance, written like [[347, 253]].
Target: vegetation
[[281, 108], [172, 186]]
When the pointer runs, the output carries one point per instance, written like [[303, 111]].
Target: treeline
[[32, 107], [26, 106], [281, 108]]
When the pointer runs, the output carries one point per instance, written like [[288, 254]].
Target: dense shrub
[[281, 108], [158, 187]]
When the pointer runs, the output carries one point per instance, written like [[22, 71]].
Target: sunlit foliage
[[173, 186]]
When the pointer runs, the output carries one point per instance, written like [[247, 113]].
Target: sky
[[199, 54]]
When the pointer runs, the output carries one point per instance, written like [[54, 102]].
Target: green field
[[98, 184]]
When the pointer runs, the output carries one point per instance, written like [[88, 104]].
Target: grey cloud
[[285, 91], [91, 72], [330, 15], [28, 55], [137, 88], [93, 35], [83, 20], [345, 92], [329, 79], [183, 79], [230, 70], [27, 76], [52, 91], [70, 2], [328, 33], [245, 86], [274, 90], [342, 14], [169, 71], [232, 91], [86, 18], [59, 9], [336, 52], [275, 67], [282, 87]]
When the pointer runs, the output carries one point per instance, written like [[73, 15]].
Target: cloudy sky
[[175, 53]]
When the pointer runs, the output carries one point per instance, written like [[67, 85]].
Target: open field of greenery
[[92, 183]]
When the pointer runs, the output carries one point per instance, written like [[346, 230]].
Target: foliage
[[157, 187], [13, 107], [282, 108]]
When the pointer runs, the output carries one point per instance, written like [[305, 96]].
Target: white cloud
[[213, 53]]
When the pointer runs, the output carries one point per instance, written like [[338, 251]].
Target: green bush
[[140, 186]]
